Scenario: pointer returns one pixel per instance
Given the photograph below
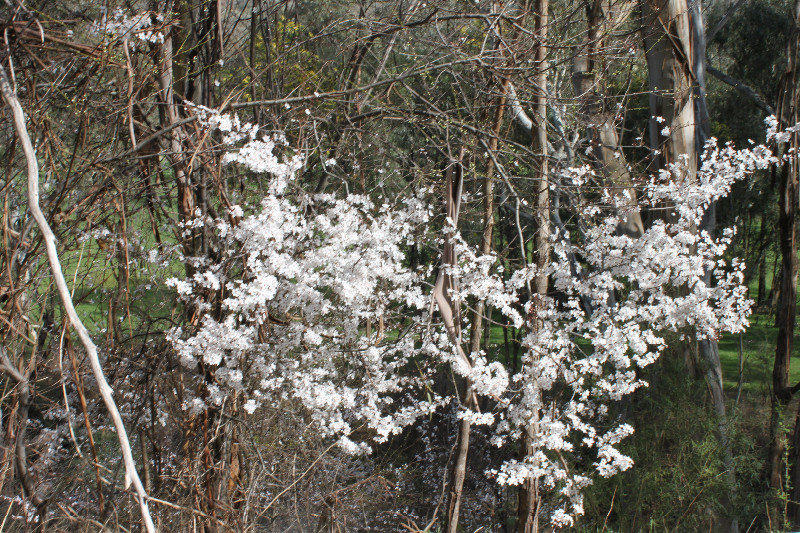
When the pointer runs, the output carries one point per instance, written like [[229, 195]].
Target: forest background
[[130, 119]]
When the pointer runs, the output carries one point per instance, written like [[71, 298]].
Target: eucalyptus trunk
[[599, 113], [675, 48]]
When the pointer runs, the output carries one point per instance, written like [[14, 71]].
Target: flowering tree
[[613, 316], [303, 281], [317, 306], [313, 326]]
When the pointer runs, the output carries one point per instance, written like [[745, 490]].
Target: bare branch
[[742, 88], [723, 21], [519, 114], [131, 476], [20, 450]]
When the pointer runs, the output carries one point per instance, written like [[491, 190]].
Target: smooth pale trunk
[[675, 49], [602, 17], [668, 44]]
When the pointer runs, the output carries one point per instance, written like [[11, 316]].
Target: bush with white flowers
[[318, 307]]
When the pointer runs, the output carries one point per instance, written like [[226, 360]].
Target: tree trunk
[[601, 128], [708, 348], [668, 49], [528, 504], [674, 39], [458, 473], [785, 314]]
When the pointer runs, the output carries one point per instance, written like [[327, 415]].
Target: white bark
[[668, 48], [519, 114], [599, 121], [675, 46]]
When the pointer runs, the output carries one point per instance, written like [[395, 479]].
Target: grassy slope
[[758, 350], [757, 345]]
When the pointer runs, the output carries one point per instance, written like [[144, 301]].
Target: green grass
[[758, 351], [757, 345], [91, 272]]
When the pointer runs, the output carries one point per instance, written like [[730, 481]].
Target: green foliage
[[752, 49], [679, 481]]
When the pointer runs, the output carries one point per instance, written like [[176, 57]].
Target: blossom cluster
[[141, 27], [612, 317], [317, 306], [319, 286]]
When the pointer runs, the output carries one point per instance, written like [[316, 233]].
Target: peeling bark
[[600, 120]]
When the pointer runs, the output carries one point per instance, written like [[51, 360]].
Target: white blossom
[[320, 309]]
